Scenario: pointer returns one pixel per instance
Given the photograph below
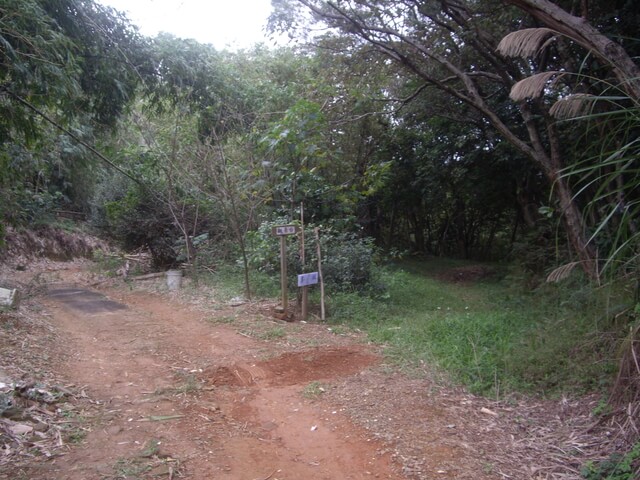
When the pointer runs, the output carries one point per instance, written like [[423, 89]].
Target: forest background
[[502, 132]]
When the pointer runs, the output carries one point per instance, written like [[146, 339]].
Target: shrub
[[616, 467], [348, 261], [138, 220]]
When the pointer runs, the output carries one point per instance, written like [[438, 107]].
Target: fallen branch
[[149, 276], [268, 476], [161, 418]]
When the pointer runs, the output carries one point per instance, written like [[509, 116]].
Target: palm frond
[[525, 43], [533, 86], [562, 272], [573, 106]]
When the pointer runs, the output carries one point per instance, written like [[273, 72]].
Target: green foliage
[[77, 64], [196, 76], [608, 180], [227, 282], [275, 333], [454, 185], [78, 57], [348, 261], [616, 467], [533, 252], [140, 221], [36, 61]]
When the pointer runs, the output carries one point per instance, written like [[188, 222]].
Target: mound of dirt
[[469, 273], [49, 242], [293, 368], [316, 364]]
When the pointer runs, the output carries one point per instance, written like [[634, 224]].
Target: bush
[[348, 261], [616, 467], [138, 220]]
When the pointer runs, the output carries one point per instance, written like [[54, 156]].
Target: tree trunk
[[574, 227], [392, 227], [418, 229], [571, 215]]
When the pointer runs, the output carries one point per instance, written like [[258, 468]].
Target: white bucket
[[174, 279]]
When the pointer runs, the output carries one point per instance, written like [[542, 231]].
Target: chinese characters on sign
[[307, 279], [284, 230]]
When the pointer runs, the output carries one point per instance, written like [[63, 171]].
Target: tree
[[72, 57], [452, 188], [606, 101], [451, 46], [68, 65], [197, 77], [578, 29]]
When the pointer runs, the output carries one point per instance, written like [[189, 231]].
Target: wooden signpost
[[283, 231], [322, 311], [305, 279]]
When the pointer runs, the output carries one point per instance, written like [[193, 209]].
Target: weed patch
[[149, 463], [273, 334], [313, 390], [616, 467]]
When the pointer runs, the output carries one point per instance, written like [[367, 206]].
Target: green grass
[[275, 333], [228, 282], [488, 335], [313, 390]]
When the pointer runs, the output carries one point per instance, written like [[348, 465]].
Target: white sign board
[[284, 230], [307, 279]]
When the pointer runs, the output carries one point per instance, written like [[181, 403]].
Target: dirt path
[[184, 396], [168, 386]]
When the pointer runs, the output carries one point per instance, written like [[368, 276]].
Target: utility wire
[[68, 132]]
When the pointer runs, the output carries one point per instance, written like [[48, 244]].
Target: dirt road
[[183, 395]]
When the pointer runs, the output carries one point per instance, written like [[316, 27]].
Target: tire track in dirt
[[182, 397]]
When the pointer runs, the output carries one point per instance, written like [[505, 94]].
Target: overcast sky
[[224, 23]]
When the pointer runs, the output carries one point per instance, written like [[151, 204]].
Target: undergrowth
[[617, 467], [489, 335]]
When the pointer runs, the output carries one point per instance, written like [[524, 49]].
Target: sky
[[231, 24]]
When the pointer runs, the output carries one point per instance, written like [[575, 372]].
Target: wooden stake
[[305, 290], [322, 311], [305, 303], [283, 271]]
